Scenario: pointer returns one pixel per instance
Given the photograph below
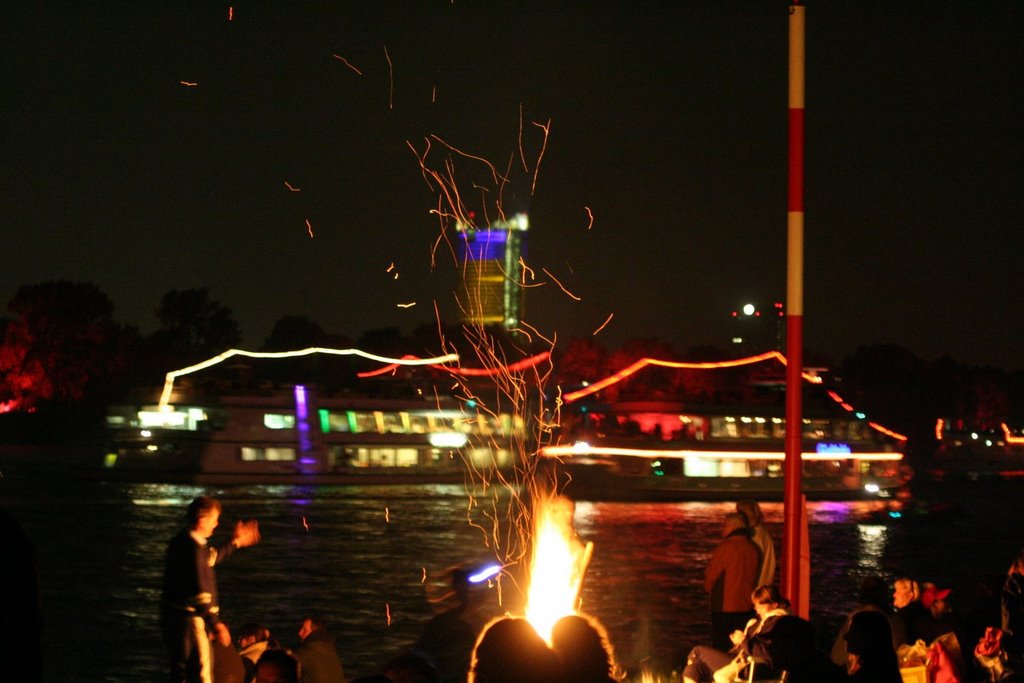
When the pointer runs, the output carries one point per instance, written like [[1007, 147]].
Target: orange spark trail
[[290, 188], [544, 146], [190, 84], [305, 524], [387, 612], [408, 305], [522, 155], [424, 579], [607, 320], [391, 80], [231, 12], [347, 63], [548, 273], [527, 270], [309, 229], [387, 515], [494, 171], [590, 214]]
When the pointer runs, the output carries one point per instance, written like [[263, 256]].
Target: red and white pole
[[794, 508]]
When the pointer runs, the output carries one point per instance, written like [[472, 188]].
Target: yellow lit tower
[[492, 270]]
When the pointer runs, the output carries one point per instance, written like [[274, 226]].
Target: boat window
[[368, 456], [723, 427], [418, 424], [734, 468], [337, 422], [393, 423], [701, 467], [365, 422], [817, 430], [252, 453], [826, 468], [278, 421]]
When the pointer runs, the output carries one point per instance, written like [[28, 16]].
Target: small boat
[[965, 454]]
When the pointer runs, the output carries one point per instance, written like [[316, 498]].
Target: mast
[[793, 505]]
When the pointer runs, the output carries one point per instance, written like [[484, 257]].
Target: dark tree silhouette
[[192, 327], [292, 332], [584, 360]]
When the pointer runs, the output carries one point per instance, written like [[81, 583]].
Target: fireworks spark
[[391, 80], [408, 305], [189, 84], [590, 215], [291, 188], [309, 228], [605, 323], [555, 280], [347, 63], [305, 524], [544, 146]]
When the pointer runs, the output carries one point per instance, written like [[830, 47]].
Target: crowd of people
[[894, 628]]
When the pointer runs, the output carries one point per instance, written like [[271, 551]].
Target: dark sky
[[667, 122]]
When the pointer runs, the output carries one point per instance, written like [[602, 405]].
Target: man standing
[[318, 658], [189, 607], [730, 579]]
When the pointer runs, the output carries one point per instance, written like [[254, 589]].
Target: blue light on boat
[[832, 447]]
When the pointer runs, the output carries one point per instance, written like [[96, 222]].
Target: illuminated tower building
[[492, 271]]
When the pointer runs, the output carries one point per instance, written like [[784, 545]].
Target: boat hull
[[592, 482]]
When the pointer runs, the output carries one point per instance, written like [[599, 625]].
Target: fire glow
[[557, 567]]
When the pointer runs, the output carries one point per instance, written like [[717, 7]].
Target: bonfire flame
[[557, 567]]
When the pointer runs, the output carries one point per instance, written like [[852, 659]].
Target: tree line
[[60, 347]]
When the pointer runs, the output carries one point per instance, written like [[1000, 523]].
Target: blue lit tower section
[[492, 274]]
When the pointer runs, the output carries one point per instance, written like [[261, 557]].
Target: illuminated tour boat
[[623, 447], [299, 435]]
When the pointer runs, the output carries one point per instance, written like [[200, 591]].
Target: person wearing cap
[[937, 618]]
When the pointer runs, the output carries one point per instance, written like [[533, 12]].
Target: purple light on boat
[[302, 424]]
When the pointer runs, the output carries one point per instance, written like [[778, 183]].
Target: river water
[[371, 559]]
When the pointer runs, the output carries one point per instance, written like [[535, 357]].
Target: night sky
[[667, 123]]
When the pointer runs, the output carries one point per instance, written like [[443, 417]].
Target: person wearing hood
[[318, 658]]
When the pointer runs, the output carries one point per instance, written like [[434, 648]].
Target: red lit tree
[[60, 341]]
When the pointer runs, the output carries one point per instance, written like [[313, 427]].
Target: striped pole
[[793, 505]]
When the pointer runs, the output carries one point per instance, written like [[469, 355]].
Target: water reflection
[[873, 541], [374, 560]]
